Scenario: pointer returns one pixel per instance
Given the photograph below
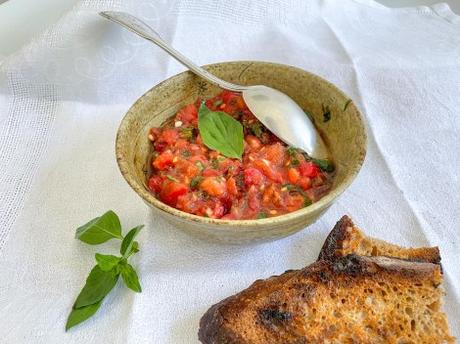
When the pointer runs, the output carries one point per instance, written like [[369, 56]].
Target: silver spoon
[[277, 111]]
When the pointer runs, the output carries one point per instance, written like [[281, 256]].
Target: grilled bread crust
[[361, 290], [346, 238], [353, 299]]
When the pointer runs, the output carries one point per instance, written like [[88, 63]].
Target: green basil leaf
[[187, 133], [292, 151], [98, 284], [257, 129], [127, 242], [186, 154], [195, 182], [293, 154], [135, 247], [100, 229], [130, 278], [200, 165], [221, 132], [307, 201], [295, 188], [171, 178], [262, 215], [215, 164], [323, 164], [106, 261], [79, 315]]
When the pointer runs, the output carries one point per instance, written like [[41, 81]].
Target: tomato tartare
[[270, 179]]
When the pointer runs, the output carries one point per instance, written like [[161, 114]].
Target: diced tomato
[[253, 142], [200, 159], [308, 169], [169, 136], [164, 160], [187, 114], [276, 154], [209, 103], [269, 170], [155, 132], [214, 186], [155, 183], [232, 103], [246, 149], [252, 176], [229, 216], [272, 197], [198, 102], [214, 154], [186, 168], [191, 177], [160, 146], [189, 202], [304, 183], [210, 172], [317, 192], [293, 175], [219, 210], [224, 164], [295, 202], [227, 96], [233, 168], [231, 186], [253, 198], [240, 102], [318, 180], [171, 191], [181, 143], [247, 116]]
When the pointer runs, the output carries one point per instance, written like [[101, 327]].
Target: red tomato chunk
[[271, 179]]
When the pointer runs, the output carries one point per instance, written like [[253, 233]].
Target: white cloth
[[63, 95]]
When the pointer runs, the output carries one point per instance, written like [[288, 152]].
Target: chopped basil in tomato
[[271, 179]]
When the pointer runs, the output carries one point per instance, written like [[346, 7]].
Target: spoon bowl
[[285, 118]]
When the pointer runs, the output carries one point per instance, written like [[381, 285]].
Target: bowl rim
[[148, 197]]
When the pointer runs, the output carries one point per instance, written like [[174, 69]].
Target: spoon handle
[[145, 31]]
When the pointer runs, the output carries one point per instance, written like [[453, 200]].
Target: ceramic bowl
[[343, 130]]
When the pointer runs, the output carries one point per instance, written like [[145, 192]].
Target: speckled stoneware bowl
[[344, 132]]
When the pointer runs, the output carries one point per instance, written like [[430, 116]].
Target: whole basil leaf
[[221, 132], [100, 229], [130, 278], [98, 284], [127, 243], [106, 261], [79, 315]]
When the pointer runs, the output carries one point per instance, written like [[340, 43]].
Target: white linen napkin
[[63, 95]]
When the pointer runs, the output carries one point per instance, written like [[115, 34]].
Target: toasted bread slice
[[346, 238], [351, 299]]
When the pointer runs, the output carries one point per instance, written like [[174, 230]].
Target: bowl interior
[[333, 113]]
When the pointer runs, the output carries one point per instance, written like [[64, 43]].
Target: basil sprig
[[105, 274], [221, 132]]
